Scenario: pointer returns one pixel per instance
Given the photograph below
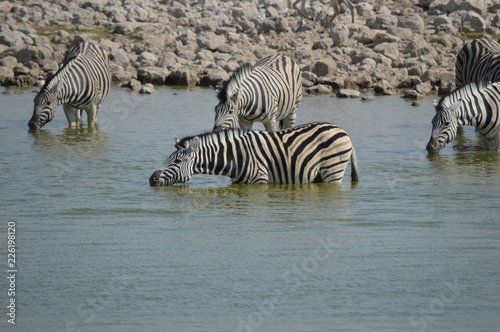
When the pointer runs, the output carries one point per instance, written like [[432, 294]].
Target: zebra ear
[[56, 88], [193, 145], [455, 106]]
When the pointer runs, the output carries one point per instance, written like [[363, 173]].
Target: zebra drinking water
[[475, 104], [267, 92], [315, 152], [478, 60], [81, 83]]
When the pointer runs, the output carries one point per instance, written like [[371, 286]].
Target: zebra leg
[[270, 124], [92, 115], [245, 124], [289, 121], [72, 114], [336, 11], [492, 143]]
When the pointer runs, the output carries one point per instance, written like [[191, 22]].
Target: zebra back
[[85, 76], [478, 60], [232, 85], [267, 92]]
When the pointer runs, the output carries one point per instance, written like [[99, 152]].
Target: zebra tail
[[354, 166]]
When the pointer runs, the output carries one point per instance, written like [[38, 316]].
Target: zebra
[[81, 83], [336, 11], [478, 60], [314, 152], [267, 92], [475, 104]]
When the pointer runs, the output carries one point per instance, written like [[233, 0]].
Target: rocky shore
[[406, 46]]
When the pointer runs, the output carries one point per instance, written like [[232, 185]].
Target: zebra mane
[[51, 82], [69, 58], [234, 82], [227, 132], [460, 93]]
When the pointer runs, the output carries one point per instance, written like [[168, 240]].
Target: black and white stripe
[[81, 83], [267, 92], [475, 104], [478, 60], [315, 152]]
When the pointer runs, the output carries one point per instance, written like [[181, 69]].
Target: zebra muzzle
[[156, 179]]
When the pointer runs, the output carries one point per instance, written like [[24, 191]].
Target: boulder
[[473, 22], [182, 77], [319, 89], [153, 75], [348, 93], [325, 68]]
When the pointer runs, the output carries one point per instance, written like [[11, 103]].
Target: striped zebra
[[478, 60], [336, 11], [81, 83], [267, 92], [475, 104], [315, 152]]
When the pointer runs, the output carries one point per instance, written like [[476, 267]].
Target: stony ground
[[392, 47]]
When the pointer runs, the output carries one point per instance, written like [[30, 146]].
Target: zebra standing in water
[[81, 83], [478, 60], [475, 104], [315, 152], [267, 92]]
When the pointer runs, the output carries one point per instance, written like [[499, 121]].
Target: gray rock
[[319, 89], [411, 94], [153, 75], [147, 59], [348, 93], [182, 77], [473, 22], [133, 85], [212, 77], [390, 50], [325, 68], [147, 89]]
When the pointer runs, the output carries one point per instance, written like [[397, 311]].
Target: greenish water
[[415, 246]]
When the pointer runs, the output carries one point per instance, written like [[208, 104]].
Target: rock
[[473, 22], [411, 94], [153, 75], [133, 85], [390, 50], [147, 89], [319, 89], [409, 83], [383, 87], [147, 59], [325, 68], [414, 22], [212, 77], [182, 77], [6, 74], [348, 93]]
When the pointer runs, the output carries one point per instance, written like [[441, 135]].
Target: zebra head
[[444, 126], [226, 115], [45, 106], [179, 166]]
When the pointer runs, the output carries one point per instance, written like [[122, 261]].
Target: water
[[413, 247]]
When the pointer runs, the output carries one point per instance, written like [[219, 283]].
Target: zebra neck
[[219, 154]]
